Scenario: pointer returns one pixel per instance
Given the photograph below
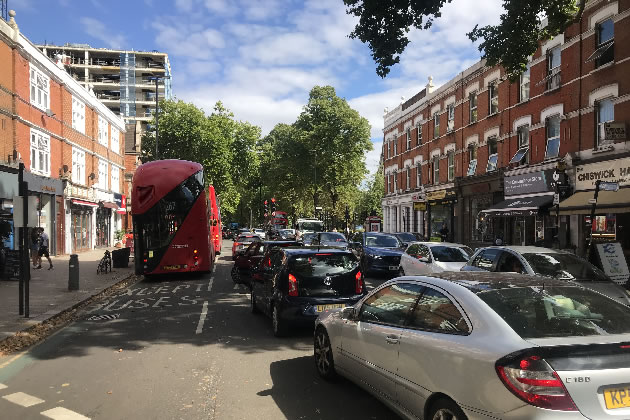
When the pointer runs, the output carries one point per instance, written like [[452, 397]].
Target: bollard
[[73, 272]]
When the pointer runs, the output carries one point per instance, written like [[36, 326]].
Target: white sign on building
[[617, 170], [614, 262]]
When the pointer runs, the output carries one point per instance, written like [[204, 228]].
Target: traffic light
[[273, 204], [266, 208]]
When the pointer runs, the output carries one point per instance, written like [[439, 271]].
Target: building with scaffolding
[[125, 82]]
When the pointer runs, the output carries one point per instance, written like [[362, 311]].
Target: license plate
[[617, 397], [171, 267], [322, 308], [393, 267]]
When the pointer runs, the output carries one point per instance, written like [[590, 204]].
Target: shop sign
[[79, 192], [418, 197], [614, 131], [121, 202], [614, 262], [617, 170], [534, 182], [420, 206], [103, 196], [440, 195], [43, 184]]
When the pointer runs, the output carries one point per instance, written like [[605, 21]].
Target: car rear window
[[450, 254], [564, 267], [325, 274], [382, 241], [560, 311]]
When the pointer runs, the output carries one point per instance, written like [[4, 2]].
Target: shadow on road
[[307, 396]]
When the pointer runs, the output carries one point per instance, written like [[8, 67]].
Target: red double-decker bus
[[171, 218], [279, 220], [216, 228]]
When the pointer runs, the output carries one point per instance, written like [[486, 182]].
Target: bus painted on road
[[171, 218], [216, 228]]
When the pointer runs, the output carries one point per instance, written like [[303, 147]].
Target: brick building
[[70, 143], [486, 157]]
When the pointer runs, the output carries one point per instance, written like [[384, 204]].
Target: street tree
[[385, 24], [370, 198]]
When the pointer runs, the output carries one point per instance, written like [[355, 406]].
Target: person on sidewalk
[[43, 249], [35, 247]]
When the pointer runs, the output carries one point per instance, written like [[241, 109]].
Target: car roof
[[306, 250], [527, 249], [481, 281], [432, 244]]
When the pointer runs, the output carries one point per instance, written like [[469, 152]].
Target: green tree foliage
[[384, 25], [226, 148], [370, 199]]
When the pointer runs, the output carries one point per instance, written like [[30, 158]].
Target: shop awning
[[527, 206], [108, 205], [84, 203], [607, 202]]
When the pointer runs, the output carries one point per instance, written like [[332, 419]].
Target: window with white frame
[[554, 60], [493, 95], [418, 175], [436, 170], [389, 184], [395, 175], [408, 178], [115, 139], [408, 138], [450, 123], [605, 113], [102, 174], [605, 51], [78, 115], [395, 139], [78, 166], [472, 160], [115, 179], [102, 131], [493, 154], [553, 137], [389, 149], [40, 88], [436, 125], [472, 104], [419, 131], [523, 92], [451, 165], [40, 153], [522, 154]]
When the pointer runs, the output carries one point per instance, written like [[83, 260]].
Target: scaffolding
[[128, 85]]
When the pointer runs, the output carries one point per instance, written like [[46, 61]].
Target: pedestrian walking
[[35, 247], [43, 249], [444, 232]]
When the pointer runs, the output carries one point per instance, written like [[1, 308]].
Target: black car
[[330, 239], [246, 263], [379, 252], [294, 285], [405, 237]]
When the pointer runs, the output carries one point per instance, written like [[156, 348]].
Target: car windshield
[[382, 241], [307, 237], [564, 267], [406, 237], [560, 311], [451, 253], [331, 237], [322, 264], [312, 226]]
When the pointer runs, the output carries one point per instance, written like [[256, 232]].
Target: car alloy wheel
[[279, 329], [323, 355], [445, 409]]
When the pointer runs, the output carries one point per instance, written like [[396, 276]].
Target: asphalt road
[[177, 348]]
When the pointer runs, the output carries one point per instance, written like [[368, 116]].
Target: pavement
[[49, 294]]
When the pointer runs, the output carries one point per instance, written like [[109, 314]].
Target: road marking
[[3, 386], [23, 399], [214, 268], [202, 318], [8, 362], [210, 283], [60, 413]]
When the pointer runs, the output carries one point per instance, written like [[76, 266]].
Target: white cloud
[[98, 30], [372, 158], [193, 41], [222, 7]]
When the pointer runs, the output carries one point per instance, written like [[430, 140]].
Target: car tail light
[[358, 283], [535, 382], [293, 286], [237, 243]]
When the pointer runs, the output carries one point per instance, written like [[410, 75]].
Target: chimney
[[430, 85]]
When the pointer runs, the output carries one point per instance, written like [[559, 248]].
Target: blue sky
[[262, 57]]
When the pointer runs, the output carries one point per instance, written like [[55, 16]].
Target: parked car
[[294, 285], [422, 258], [480, 345], [330, 239], [241, 243], [545, 262], [405, 237], [245, 264], [378, 252]]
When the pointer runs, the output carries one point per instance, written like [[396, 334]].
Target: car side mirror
[[424, 260], [348, 313], [404, 244]]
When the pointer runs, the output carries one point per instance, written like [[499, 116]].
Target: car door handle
[[392, 338]]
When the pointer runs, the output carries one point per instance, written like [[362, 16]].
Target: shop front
[[441, 214], [81, 208], [612, 208], [401, 214], [478, 193], [49, 193], [8, 190]]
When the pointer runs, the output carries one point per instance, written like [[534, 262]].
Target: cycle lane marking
[[202, 317], [60, 413], [25, 400]]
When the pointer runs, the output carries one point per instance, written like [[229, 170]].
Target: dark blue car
[[379, 253]]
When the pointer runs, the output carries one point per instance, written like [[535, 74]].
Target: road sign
[[609, 186]]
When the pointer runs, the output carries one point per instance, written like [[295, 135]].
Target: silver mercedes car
[[479, 345]]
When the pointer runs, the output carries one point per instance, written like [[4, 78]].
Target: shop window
[[102, 174], [553, 137], [115, 179], [408, 178], [40, 89], [450, 123], [554, 60], [472, 104], [78, 115], [40, 153], [605, 113], [523, 92], [522, 154], [605, 48], [115, 139], [472, 160], [419, 131], [604, 226], [436, 125], [493, 154], [408, 138], [451, 165], [78, 166], [436, 170], [493, 97], [418, 175]]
